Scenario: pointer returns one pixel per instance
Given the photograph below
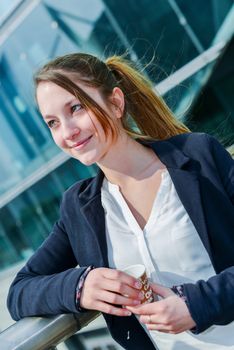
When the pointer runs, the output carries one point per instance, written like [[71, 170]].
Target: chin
[[86, 161], [88, 158]]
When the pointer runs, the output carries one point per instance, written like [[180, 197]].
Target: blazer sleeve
[[46, 284], [211, 302]]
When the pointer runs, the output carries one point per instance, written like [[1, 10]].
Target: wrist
[[79, 288], [179, 291]]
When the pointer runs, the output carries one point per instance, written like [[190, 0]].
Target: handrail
[[43, 333]]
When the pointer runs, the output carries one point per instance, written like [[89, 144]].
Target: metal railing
[[43, 333]]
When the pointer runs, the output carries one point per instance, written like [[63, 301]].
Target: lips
[[81, 142]]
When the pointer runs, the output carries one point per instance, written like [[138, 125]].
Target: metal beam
[[30, 180], [24, 8], [43, 333], [190, 68]]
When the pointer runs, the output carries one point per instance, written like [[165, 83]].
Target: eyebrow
[[48, 116]]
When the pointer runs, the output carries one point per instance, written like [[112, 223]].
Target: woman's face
[[75, 129]]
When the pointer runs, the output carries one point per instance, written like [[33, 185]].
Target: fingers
[[111, 287], [161, 290], [118, 299], [119, 282], [161, 328], [113, 280], [111, 309], [123, 277], [147, 319], [146, 309], [123, 289], [151, 322]]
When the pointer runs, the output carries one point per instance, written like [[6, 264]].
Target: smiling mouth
[[81, 143]]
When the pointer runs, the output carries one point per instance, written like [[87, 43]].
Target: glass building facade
[[185, 47]]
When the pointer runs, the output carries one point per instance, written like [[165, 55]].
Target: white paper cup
[[138, 271]]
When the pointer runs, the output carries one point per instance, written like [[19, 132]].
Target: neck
[[127, 161]]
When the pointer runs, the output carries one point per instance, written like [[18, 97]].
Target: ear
[[117, 99]]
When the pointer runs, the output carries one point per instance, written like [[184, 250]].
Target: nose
[[70, 131]]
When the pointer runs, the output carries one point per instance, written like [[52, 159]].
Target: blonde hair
[[145, 115]]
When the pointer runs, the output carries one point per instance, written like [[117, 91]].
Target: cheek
[[58, 139], [94, 125]]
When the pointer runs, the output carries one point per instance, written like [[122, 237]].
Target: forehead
[[52, 97], [48, 89]]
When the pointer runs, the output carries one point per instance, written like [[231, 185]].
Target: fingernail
[[136, 302], [138, 285]]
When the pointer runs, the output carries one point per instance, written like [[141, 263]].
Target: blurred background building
[[185, 47]]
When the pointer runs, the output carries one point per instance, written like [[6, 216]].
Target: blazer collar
[[167, 152]]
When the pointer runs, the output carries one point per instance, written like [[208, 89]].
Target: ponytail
[[144, 107]]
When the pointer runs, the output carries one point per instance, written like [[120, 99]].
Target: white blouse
[[171, 250]]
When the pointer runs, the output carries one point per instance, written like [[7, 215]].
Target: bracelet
[[80, 286], [179, 291]]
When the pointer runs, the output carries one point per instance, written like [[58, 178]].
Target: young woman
[[162, 197]]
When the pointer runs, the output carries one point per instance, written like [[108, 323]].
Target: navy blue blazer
[[203, 174]]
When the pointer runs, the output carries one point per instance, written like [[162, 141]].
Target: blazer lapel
[[185, 174], [92, 210], [188, 187]]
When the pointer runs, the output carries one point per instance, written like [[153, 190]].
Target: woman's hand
[[169, 315], [107, 289]]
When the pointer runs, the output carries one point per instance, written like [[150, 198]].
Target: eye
[[76, 107], [51, 123]]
